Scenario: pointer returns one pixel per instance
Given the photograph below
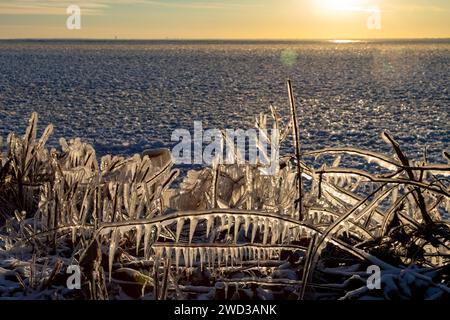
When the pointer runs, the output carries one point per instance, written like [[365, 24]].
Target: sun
[[340, 5]]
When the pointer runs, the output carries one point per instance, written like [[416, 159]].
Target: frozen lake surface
[[125, 97]]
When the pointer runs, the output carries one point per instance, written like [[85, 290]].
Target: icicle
[[279, 230], [226, 290], [213, 256], [168, 252], [112, 250], [132, 205], [74, 235], [296, 233], [209, 223], [163, 252], [139, 230], [192, 255], [196, 254], [192, 228], [180, 225], [230, 222], [237, 224], [202, 253], [208, 257], [177, 257], [126, 194], [266, 230], [284, 232], [254, 228], [219, 256], [158, 252], [147, 235], [246, 224], [226, 256], [157, 232], [222, 220], [232, 258], [185, 255], [274, 232], [236, 254]]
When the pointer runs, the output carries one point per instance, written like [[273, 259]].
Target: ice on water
[[125, 97]]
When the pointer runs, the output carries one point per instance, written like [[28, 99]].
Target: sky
[[227, 19]]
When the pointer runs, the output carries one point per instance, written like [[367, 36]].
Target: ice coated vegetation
[[226, 232]]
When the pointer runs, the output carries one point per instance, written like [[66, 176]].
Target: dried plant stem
[[307, 267], [296, 137], [165, 280], [404, 160], [156, 279]]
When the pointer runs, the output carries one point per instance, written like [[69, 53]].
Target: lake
[[128, 96]]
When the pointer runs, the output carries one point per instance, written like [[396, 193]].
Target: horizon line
[[224, 39]]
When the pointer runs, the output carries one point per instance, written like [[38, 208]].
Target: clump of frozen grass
[[226, 231]]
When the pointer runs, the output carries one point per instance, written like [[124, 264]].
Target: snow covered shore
[[226, 231]]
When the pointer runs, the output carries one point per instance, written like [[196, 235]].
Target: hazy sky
[[262, 19]]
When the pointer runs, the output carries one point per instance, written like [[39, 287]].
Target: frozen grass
[[226, 231]]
